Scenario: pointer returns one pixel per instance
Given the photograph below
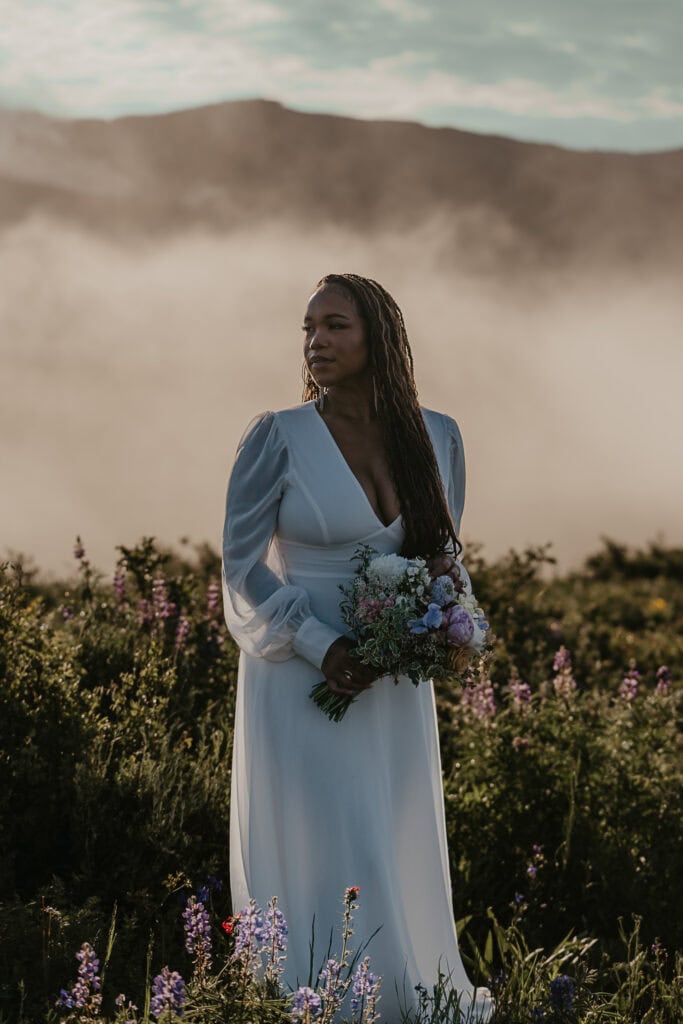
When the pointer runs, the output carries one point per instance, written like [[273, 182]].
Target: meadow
[[562, 769]]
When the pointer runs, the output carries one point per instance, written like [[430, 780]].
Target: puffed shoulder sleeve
[[265, 614], [455, 490]]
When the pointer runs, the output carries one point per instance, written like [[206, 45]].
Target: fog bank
[[130, 371]]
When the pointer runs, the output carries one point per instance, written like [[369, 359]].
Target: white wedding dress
[[317, 806]]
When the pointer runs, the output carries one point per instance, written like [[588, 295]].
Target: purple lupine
[[562, 990], [628, 689], [562, 661], [85, 994], [365, 989], [145, 613], [663, 678], [119, 586], [329, 986], [519, 692], [564, 683], [163, 608], [276, 939], [130, 1008], [182, 631], [198, 934], [250, 931], [479, 698], [306, 1005], [213, 597], [168, 994]]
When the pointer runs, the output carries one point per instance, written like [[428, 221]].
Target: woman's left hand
[[444, 565]]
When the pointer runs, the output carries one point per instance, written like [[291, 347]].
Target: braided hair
[[427, 522]]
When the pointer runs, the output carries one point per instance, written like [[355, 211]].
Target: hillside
[[222, 166]]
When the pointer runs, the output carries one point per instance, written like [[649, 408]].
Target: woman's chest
[[332, 497]]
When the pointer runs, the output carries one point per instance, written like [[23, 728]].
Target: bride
[[318, 806]]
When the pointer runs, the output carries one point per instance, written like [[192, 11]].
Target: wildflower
[[198, 934], [663, 678], [479, 698], [182, 631], [564, 682], [250, 932], [276, 937], [230, 924], [119, 586], [365, 988], [562, 660], [307, 1005], [68, 613], [562, 990], [213, 596], [519, 692], [628, 689], [163, 608], [79, 550], [145, 612], [351, 894], [531, 870], [168, 994], [329, 985], [520, 742], [85, 993], [519, 898]]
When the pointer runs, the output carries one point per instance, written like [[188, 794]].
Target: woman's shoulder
[[441, 422], [276, 425]]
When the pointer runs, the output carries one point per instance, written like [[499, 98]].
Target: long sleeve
[[455, 491], [265, 614]]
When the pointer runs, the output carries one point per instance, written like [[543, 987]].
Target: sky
[[590, 74]]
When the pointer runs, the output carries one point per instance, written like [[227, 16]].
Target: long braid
[[412, 463]]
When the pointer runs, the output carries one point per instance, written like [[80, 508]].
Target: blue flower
[[562, 990], [168, 994], [430, 620]]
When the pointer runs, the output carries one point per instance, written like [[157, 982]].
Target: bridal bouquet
[[406, 623]]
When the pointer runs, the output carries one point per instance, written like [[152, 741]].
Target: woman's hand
[[445, 565], [343, 673]]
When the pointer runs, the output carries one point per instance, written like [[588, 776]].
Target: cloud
[[391, 59]]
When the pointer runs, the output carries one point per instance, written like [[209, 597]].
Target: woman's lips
[[319, 361]]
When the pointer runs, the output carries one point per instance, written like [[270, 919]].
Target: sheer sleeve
[[265, 614], [455, 490]]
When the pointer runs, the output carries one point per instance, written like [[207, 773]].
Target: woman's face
[[335, 347]]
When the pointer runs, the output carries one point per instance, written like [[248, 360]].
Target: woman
[[318, 806]]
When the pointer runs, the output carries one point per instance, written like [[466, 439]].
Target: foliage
[[562, 774]]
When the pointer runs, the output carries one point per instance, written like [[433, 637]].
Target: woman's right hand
[[343, 673]]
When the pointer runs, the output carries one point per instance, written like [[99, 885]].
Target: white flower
[[388, 569]]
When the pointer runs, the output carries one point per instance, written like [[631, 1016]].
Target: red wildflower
[[228, 926]]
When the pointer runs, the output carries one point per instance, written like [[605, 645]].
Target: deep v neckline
[[343, 460]]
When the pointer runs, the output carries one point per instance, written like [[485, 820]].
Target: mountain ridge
[[226, 166]]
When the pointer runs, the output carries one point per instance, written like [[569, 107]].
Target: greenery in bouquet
[[407, 623]]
